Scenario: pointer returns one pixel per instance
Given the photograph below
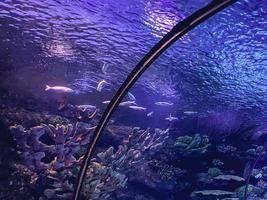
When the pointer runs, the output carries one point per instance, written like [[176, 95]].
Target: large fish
[[128, 103], [163, 103], [84, 107], [59, 89], [100, 85], [124, 103], [171, 118], [138, 108]]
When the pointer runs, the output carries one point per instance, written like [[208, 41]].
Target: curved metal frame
[[177, 32]]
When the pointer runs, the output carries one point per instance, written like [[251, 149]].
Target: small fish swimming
[[128, 103], [131, 96], [138, 108], [106, 102], [190, 112], [149, 114], [124, 103], [163, 103], [84, 107], [104, 68], [59, 89], [100, 85], [171, 118]]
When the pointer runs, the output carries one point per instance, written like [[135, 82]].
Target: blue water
[[215, 76]]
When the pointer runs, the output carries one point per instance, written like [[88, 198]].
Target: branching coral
[[129, 154], [63, 142], [107, 171], [101, 181], [145, 141], [121, 160]]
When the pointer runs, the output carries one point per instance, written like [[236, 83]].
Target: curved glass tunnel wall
[[202, 75], [196, 131], [75, 44]]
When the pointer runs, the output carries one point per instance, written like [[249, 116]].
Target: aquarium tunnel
[[133, 100]]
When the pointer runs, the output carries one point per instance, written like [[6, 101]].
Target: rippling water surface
[[212, 83], [223, 61], [72, 39]]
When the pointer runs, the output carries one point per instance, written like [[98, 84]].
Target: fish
[[104, 68], [171, 118], [128, 103], [124, 103], [60, 89], [138, 108], [190, 112], [149, 114], [163, 103], [85, 107], [106, 102], [100, 85], [131, 96]]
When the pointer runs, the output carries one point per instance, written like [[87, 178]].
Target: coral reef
[[166, 171], [101, 181], [28, 118], [21, 184], [153, 164], [55, 151], [195, 143], [57, 145], [111, 167]]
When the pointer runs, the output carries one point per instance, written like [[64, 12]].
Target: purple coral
[[106, 173], [65, 143]]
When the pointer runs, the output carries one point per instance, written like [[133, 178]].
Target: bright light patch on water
[[59, 49], [160, 19]]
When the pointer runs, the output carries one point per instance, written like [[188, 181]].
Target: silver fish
[[124, 103], [131, 96], [149, 114], [138, 108], [100, 85], [60, 89], [163, 103], [86, 107], [128, 103], [190, 112], [104, 68], [171, 118]]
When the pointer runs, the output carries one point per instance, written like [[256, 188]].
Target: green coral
[[213, 172], [195, 143], [101, 181]]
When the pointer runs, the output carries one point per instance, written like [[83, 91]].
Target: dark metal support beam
[[177, 32]]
